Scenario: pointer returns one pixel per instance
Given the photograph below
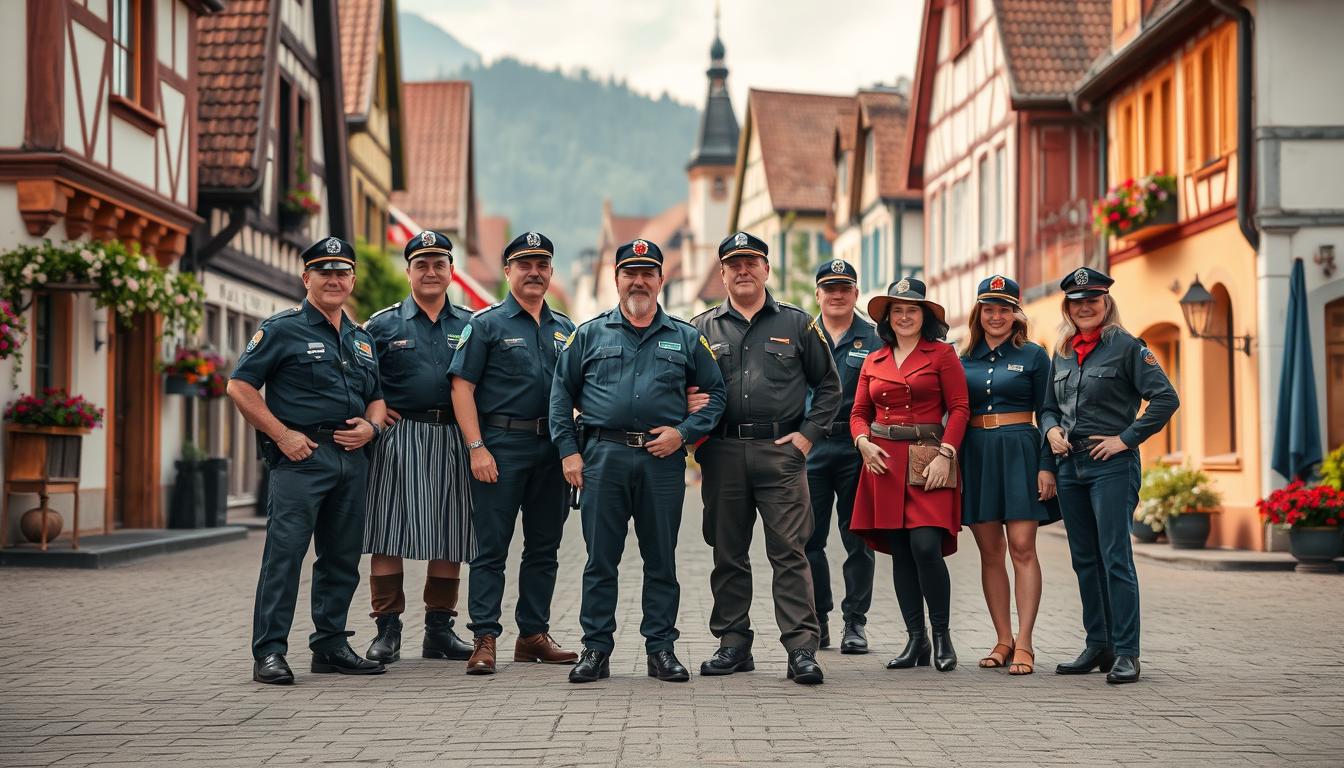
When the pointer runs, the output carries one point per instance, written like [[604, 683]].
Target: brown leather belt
[[906, 431], [996, 420]]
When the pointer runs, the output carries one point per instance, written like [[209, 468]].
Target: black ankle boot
[[386, 647], [441, 642], [916, 653], [944, 655]]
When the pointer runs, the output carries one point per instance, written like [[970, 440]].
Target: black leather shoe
[[1125, 670], [916, 654], [944, 655], [664, 666], [346, 662], [593, 665], [386, 647], [728, 660], [441, 642], [803, 667], [824, 635], [855, 639], [272, 670], [1091, 658]]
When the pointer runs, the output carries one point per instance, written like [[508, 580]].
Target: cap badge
[[838, 267], [640, 248], [333, 245], [903, 286], [533, 240], [996, 283], [1080, 277], [740, 240], [426, 238]]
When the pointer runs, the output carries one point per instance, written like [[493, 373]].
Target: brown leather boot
[[482, 661], [542, 648]]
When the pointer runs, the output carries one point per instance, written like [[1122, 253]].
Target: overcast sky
[[828, 46]]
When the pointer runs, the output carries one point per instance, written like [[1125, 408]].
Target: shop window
[[1220, 383]]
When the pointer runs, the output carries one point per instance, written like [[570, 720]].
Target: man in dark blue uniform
[[501, 396], [322, 403], [833, 465], [627, 372]]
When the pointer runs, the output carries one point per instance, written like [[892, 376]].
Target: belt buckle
[[435, 414], [540, 427], [740, 436], [987, 423], [635, 439]]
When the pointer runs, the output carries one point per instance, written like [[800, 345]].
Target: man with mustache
[[771, 355], [501, 380], [419, 500], [627, 371], [833, 465]]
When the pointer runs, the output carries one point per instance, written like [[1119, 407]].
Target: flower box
[[1161, 220], [38, 454], [1147, 204]]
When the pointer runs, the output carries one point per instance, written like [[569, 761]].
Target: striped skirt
[[419, 494]]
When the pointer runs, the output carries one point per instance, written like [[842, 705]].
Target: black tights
[[920, 575]]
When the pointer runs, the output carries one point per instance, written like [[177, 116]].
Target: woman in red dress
[[906, 390]]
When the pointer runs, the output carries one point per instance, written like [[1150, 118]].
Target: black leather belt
[[631, 439], [432, 416], [321, 435], [906, 431], [538, 427], [839, 429], [765, 430], [1082, 446]]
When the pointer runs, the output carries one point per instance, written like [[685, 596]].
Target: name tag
[[781, 341], [515, 343], [675, 346], [859, 353], [1015, 367], [403, 344], [319, 346]]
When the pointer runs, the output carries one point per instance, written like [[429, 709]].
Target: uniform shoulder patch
[[384, 310], [256, 339], [705, 343], [569, 340], [1149, 357]]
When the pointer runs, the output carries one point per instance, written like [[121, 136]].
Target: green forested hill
[[550, 146]]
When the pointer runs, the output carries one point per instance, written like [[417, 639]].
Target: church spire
[[717, 142]]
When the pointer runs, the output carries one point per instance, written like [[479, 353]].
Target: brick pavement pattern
[[148, 664]]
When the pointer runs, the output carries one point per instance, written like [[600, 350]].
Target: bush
[[1167, 492]]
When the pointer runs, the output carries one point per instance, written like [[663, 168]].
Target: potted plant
[[1180, 501], [299, 203], [45, 435], [191, 371], [11, 331], [1313, 512], [1136, 204], [186, 504]]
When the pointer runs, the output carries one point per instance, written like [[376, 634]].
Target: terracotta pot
[[30, 525]]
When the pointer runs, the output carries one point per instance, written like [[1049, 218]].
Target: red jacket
[[928, 387]]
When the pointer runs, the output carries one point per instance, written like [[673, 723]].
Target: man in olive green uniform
[[770, 354], [323, 400]]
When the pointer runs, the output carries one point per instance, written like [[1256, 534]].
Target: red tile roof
[[436, 119], [796, 132], [234, 60], [712, 290], [887, 115], [361, 22], [1049, 44]]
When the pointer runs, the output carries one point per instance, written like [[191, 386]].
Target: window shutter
[[1190, 120], [1229, 105]]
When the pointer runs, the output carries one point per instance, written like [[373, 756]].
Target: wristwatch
[[947, 451], [474, 444], [377, 430]]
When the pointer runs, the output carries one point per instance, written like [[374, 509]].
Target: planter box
[[1316, 548], [178, 385], [293, 221], [1189, 530], [43, 454], [186, 503], [215, 472], [1163, 219]]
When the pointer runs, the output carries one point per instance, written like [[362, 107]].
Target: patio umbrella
[[1297, 430]]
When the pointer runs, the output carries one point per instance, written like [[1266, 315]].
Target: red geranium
[[54, 408], [1299, 505]]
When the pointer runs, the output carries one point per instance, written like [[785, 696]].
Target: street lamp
[[1197, 306]]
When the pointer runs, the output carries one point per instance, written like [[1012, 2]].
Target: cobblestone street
[[149, 664]]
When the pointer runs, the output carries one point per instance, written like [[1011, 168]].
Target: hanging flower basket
[[1134, 209], [194, 373], [12, 329]]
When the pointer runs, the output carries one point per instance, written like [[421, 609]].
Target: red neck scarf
[[1084, 343]]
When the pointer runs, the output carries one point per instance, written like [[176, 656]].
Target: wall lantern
[[1197, 306], [99, 334]]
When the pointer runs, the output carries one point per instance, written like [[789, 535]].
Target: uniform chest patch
[[363, 348], [402, 344], [560, 336], [675, 346], [1016, 367], [454, 340], [316, 348], [781, 341]]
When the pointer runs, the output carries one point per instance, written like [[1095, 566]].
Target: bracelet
[[947, 451], [863, 436], [377, 431], [474, 444]]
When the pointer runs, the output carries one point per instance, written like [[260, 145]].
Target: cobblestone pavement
[[149, 664]]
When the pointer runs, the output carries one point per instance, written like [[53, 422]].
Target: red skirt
[[886, 503]]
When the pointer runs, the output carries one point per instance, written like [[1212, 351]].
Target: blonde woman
[[1008, 474], [1100, 376]]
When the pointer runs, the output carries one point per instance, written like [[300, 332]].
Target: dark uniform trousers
[[529, 478], [321, 499], [740, 478], [833, 476], [1096, 499], [620, 483]]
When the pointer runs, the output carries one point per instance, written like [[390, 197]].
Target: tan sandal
[[989, 662], [1022, 667]]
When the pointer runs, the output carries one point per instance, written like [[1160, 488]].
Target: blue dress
[[999, 466]]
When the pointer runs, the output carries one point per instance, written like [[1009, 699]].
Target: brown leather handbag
[[922, 452]]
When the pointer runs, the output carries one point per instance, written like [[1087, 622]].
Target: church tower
[[710, 170]]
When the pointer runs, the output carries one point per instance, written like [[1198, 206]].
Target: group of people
[[429, 432]]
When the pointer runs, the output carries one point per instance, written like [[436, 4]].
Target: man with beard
[[833, 465], [627, 371], [419, 500], [322, 403], [501, 379], [771, 354]]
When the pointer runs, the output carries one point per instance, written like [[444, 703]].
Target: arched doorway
[[1334, 372], [1164, 339]]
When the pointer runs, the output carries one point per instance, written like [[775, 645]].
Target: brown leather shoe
[[482, 661], [542, 648]]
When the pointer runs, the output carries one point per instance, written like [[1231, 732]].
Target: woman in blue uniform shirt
[[1008, 471], [1100, 376]]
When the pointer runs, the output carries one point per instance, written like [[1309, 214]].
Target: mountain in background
[[550, 146]]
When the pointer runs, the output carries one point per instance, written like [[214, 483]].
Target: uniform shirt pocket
[[723, 355], [319, 370], [604, 365], [781, 362], [670, 367], [513, 355], [399, 357]]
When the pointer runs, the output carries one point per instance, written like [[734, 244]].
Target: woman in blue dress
[[1008, 469]]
